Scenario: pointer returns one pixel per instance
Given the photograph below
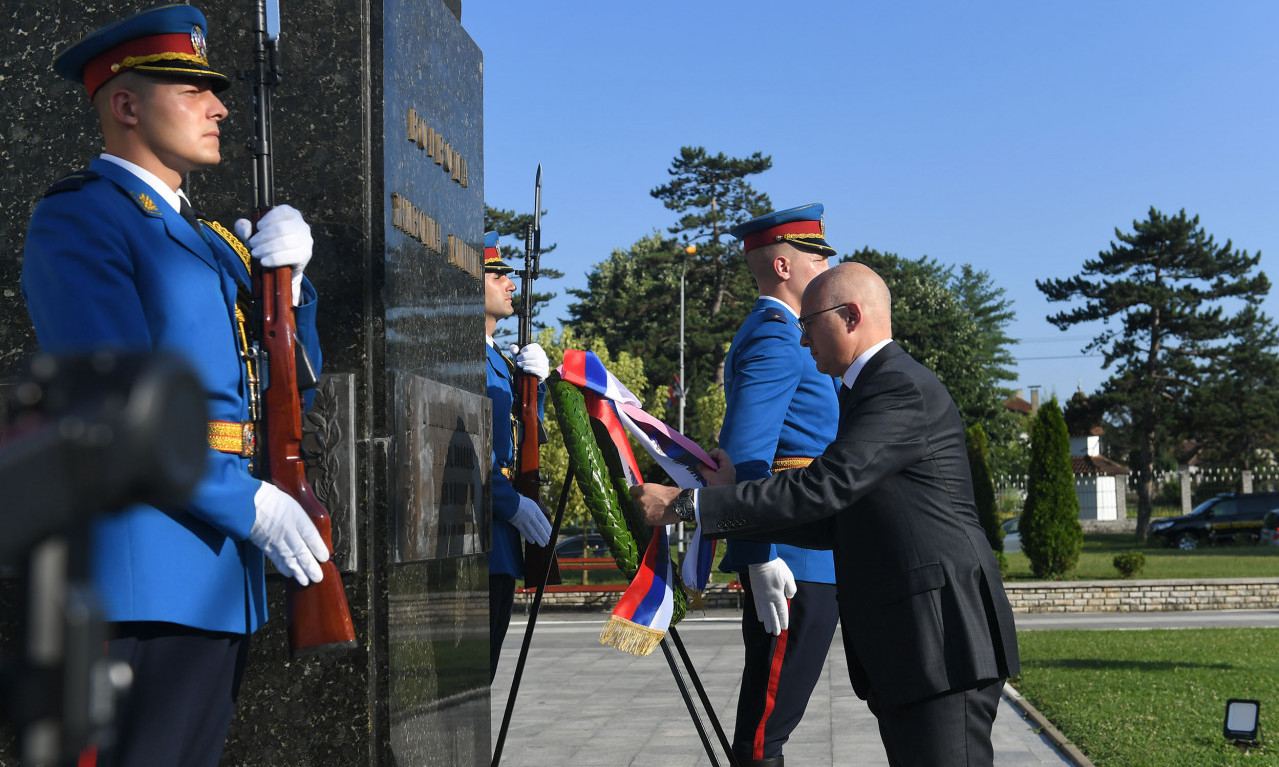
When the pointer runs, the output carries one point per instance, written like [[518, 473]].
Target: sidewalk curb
[[1053, 734]]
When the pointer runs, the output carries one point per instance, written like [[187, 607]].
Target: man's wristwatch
[[683, 506]]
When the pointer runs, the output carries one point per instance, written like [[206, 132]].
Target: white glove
[[287, 535], [772, 583], [282, 239], [531, 522], [532, 359]]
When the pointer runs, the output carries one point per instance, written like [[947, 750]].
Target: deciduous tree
[[1234, 413], [956, 326]]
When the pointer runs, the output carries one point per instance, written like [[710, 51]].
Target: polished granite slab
[[378, 128]]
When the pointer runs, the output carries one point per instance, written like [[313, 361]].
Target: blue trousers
[[185, 684], [501, 602], [780, 672]]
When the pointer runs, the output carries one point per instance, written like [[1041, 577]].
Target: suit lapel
[[849, 398]]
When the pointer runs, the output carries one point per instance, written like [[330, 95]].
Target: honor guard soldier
[[514, 515], [780, 414], [115, 257]]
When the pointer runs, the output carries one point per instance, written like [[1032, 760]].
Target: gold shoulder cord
[[242, 301]]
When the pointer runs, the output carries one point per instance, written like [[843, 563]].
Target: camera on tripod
[[82, 436]]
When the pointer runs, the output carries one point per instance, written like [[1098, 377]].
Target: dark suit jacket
[[921, 600]]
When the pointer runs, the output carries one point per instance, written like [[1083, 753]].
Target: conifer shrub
[[1051, 536], [983, 485]]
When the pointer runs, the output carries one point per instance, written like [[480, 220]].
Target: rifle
[[318, 617], [538, 560]]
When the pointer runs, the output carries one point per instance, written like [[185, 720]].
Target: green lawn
[[1153, 698], [1095, 563]]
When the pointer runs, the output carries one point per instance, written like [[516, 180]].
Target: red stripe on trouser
[[89, 756], [770, 697]]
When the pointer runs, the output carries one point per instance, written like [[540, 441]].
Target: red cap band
[[777, 233], [110, 63]]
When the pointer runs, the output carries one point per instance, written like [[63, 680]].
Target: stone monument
[[378, 128]]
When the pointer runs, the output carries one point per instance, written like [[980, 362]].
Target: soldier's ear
[[124, 106], [781, 266]]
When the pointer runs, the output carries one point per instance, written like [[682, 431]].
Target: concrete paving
[[587, 705]]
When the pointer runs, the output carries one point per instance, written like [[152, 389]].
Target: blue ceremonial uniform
[[115, 258], [778, 406], [507, 555], [109, 263]]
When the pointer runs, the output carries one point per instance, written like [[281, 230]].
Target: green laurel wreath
[[604, 486]]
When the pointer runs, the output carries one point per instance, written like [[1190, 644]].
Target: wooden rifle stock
[[318, 617], [540, 564], [537, 559]]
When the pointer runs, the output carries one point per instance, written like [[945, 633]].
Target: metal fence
[[1176, 492]]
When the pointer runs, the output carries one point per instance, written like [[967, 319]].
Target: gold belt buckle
[[248, 439]]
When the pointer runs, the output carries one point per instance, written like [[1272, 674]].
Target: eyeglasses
[[802, 322]]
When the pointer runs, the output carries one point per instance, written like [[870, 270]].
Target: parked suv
[[1270, 528], [1228, 517]]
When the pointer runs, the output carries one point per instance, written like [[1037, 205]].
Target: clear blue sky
[[1013, 136]]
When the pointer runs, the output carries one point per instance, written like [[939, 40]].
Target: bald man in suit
[[927, 628]]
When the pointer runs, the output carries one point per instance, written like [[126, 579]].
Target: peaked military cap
[[164, 41], [492, 257], [802, 227]]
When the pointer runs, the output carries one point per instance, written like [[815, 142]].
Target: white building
[[1099, 481]]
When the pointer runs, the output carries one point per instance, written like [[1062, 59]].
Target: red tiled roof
[[1017, 405]]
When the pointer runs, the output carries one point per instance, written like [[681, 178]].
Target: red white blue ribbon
[[643, 615], [682, 460]]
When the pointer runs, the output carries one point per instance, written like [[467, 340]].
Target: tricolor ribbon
[[643, 615]]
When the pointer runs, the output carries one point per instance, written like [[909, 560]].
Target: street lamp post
[[683, 269], [689, 250]]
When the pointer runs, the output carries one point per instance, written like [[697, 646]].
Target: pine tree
[[632, 299], [1051, 536], [712, 195], [1160, 293], [508, 223]]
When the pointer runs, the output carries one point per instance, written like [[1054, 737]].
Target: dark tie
[[844, 393], [189, 213]]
